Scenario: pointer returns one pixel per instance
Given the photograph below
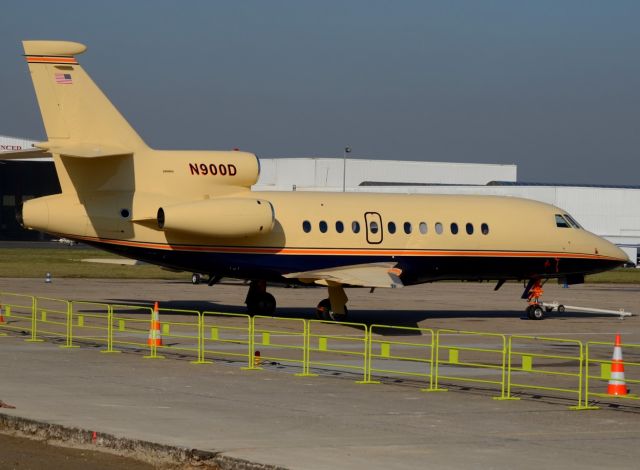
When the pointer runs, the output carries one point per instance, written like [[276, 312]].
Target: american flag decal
[[64, 78]]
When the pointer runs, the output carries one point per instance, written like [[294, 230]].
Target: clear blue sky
[[553, 86]]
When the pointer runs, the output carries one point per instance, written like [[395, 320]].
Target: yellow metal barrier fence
[[226, 335], [401, 351], [180, 331], [554, 363], [283, 340], [346, 351], [53, 318], [91, 321], [130, 326], [476, 360], [19, 313], [599, 354]]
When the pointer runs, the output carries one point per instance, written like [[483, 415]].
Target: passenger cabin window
[[484, 228], [454, 228], [306, 226], [407, 228], [438, 228], [323, 226], [391, 227], [561, 222], [373, 226], [339, 227], [423, 228], [355, 226], [469, 229]]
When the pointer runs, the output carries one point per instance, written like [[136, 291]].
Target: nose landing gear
[[535, 309]]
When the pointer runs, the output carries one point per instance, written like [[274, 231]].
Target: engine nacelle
[[221, 217], [54, 214]]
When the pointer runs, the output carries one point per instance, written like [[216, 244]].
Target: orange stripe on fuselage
[[51, 60], [342, 251]]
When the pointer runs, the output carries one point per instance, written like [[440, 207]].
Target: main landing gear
[[535, 308], [334, 308], [259, 301]]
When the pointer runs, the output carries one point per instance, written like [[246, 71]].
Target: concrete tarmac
[[273, 417]]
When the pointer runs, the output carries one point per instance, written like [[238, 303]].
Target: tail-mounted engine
[[220, 217]]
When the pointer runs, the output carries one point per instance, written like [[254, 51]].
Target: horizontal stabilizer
[[84, 149], [365, 275], [24, 154]]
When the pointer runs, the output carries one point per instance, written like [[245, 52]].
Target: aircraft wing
[[24, 154], [118, 261], [365, 275]]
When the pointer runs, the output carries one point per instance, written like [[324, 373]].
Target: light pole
[[344, 168]]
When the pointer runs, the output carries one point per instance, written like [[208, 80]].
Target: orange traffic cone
[[155, 336], [617, 386], [1, 315]]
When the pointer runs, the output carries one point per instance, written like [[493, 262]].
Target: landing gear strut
[[334, 308], [259, 301]]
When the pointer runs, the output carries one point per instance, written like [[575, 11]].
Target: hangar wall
[[284, 173]]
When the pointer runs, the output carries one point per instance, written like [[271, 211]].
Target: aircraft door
[[373, 223]]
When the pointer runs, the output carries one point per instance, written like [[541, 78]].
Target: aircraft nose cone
[[610, 250]]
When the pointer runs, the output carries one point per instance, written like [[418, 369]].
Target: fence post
[[503, 378], [586, 405], [252, 346], [34, 322], [435, 367], [509, 366], [366, 361], [201, 359], [306, 341], [69, 341], [582, 397]]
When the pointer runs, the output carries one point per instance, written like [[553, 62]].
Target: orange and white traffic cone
[[155, 336], [1, 316], [617, 386]]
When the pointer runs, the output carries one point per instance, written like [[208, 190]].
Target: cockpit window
[[561, 222], [572, 221]]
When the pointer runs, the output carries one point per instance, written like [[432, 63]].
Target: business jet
[[195, 211]]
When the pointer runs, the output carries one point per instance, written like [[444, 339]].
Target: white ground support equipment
[[551, 306]]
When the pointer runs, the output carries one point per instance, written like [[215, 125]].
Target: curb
[[160, 455]]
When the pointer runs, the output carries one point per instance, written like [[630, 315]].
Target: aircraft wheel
[[195, 278], [561, 308], [324, 312], [323, 307], [535, 312], [262, 304]]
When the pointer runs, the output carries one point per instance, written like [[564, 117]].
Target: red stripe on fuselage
[[339, 251]]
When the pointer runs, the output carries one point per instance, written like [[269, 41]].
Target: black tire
[[322, 309], [561, 308], [263, 304], [195, 278], [535, 312], [548, 309]]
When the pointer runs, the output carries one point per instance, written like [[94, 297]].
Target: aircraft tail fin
[[75, 111]]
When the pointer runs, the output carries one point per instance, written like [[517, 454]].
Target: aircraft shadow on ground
[[403, 318]]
